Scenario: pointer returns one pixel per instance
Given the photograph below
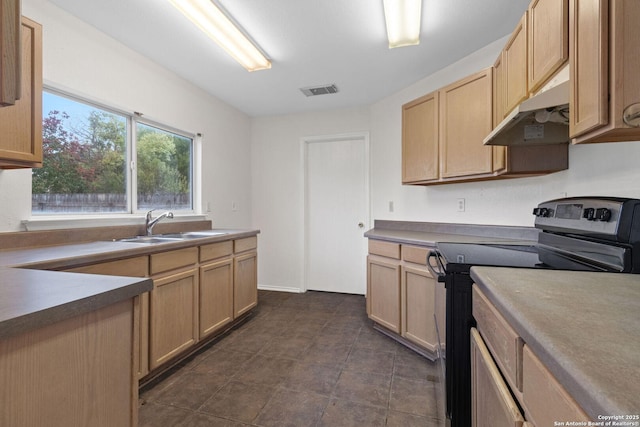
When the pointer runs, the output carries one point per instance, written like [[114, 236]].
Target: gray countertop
[[30, 298], [429, 234], [66, 256], [585, 327]]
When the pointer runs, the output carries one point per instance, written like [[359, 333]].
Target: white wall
[[278, 196], [85, 62], [599, 169]]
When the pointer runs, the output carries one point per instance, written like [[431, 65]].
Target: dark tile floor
[[308, 359]]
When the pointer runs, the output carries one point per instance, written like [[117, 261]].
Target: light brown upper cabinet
[[443, 133], [465, 119], [604, 63], [514, 58], [9, 51], [548, 40], [420, 139], [21, 123], [536, 50]]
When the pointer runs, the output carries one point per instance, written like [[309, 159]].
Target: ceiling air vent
[[319, 90]]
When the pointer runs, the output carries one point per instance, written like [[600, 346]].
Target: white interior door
[[337, 213]]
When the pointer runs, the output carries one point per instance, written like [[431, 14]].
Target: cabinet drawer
[[246, 244], [171, 260], [502, 340], [491, 402], [415, 254], [216, 250], [131, 267], [386, 249], [544, 399]]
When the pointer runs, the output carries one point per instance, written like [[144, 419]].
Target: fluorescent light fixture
[[403, 22], [210, 19]]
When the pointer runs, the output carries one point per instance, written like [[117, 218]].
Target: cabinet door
[[173, 316], [588, 65], [245, 283], [544, 399], [383, 292], [465, 120], [491, 401], [619, 92], [216, 296], [79, 371], [418, 306], [515, 66], [548, 39], [9, 51], [21, 123], [420, 139], [499, 152], [133, 267]]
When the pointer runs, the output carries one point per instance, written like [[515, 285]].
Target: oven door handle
[[437, 274]]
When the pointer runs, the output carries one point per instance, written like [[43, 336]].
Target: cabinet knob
[[361, 224], [631, 115]]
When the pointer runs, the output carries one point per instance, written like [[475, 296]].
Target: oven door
[[568, 253]]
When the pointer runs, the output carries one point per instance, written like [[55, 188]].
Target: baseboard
[[280, 289]]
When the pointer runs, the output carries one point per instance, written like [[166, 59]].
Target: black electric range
[[585, 234]]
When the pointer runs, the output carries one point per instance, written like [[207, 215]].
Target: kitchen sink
[[173, 237], [149, 239]]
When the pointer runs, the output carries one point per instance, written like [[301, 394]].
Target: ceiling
[[310, 43]]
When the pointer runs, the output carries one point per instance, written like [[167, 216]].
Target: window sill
[[42, 223]]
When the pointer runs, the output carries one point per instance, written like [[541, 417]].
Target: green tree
[[158, 166], [88, 160], [62, 154]]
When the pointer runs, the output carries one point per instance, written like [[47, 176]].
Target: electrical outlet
[[461, 205]]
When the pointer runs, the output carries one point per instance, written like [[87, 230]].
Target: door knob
[[361, 224]]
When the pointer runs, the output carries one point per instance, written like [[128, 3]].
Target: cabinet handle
[[631, 115]]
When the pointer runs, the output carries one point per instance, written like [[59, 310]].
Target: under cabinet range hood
[[541, 119]]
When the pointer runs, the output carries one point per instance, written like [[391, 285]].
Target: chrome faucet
[[149, 223]]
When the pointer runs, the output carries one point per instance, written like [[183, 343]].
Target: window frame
[[132, 119]]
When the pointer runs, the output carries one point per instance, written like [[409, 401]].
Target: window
[[86, 153]]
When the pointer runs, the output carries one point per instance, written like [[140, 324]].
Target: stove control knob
[[545, 213], [536, 211], [589, 214], [603, 214]]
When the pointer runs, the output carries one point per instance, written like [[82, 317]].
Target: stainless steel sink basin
[[148, 239], [173, 237]]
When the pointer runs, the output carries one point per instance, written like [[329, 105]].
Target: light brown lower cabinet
[[132, 267], [422, 301], [197, 291], [383, 292], [544, 399], [216, 296], [497, 352], [403, 296], [173, 319], [245, 291], [491, 401], [418, 301], [63, 374], [245, 275]]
